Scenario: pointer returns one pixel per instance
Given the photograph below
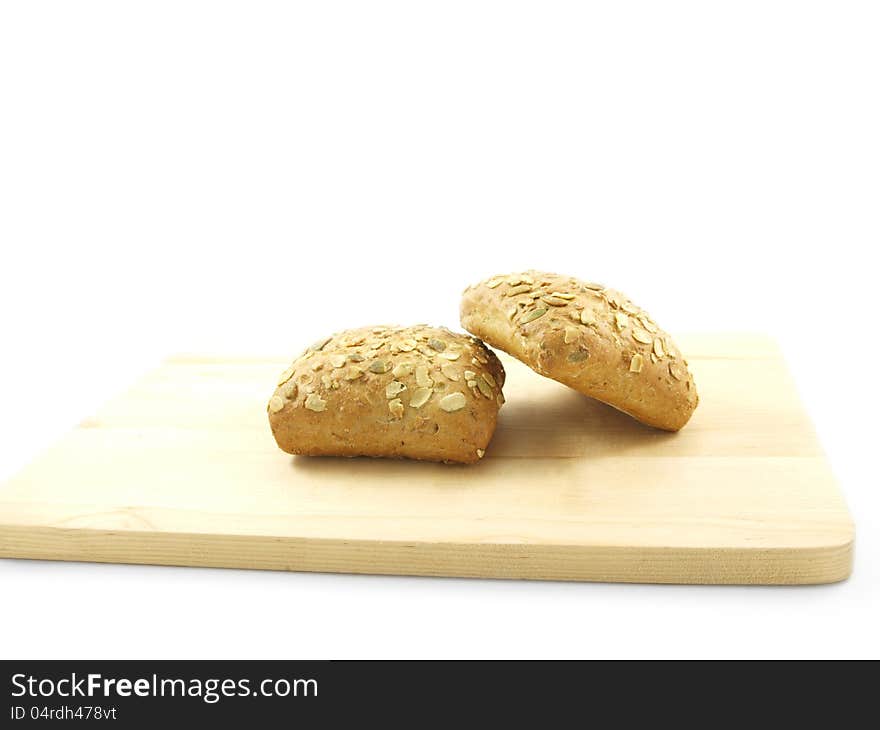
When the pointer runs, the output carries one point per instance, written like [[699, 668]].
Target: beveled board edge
[[615, 564]]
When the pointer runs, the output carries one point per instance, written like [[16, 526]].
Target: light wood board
[[182, 470]]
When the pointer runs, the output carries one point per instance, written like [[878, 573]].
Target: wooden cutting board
[[182, 470]]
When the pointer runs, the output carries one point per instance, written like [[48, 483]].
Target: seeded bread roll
[[590, 338], [406, 392]]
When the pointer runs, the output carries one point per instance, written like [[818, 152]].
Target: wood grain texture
[[182, 470]]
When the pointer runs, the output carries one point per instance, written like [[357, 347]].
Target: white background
[[247, 176]]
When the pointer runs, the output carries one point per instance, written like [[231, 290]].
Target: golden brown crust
[[407, 392], [588, 337]]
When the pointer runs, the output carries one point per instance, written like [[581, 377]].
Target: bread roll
[[588, 337], [405, 392]]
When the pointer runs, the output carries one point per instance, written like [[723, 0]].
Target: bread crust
[[403, 392], [587, 336]]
